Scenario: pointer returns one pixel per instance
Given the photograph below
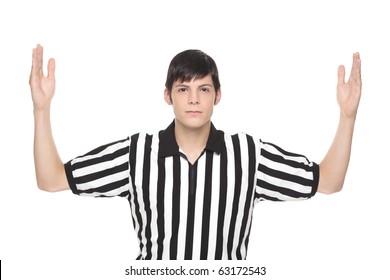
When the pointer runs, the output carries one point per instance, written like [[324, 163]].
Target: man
[[191, 187]]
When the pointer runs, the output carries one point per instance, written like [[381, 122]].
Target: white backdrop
[[278, 68]]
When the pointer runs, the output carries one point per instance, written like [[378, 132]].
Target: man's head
[[189, 65], [192, 88]]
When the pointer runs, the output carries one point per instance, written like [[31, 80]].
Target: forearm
[[333, 167], [49, 169]]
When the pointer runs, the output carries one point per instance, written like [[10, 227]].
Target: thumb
[[341, 75], [51, 65]]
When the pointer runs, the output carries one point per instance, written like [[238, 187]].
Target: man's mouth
[[193, 112]]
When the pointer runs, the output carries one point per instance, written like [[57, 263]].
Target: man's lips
[[193, 112]]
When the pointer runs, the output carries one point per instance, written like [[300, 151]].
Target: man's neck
[[192, 141]]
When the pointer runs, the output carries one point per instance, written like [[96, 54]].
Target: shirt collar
[[169, 147]]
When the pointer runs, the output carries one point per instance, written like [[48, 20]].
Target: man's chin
[[193, 124]]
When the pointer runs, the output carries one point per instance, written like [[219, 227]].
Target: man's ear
[[217, 97], [167, 96]]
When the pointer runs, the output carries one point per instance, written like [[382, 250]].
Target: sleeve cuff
[[316, 178], [69, 176]]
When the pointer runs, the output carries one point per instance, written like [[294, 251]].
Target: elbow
[[330, 182], [330, 189], [52, 182], [51, 187], [45, 187], [338, 188]]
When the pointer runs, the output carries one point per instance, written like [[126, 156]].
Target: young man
[[191, 187]]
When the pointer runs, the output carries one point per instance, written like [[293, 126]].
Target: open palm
[[42, 87], [348, 93]]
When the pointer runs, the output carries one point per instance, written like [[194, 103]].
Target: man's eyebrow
[[181, 85], [202, 85]]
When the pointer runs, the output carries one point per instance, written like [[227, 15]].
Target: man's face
[[193, 101]]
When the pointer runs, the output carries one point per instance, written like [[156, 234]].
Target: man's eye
[[182, 89], [205, 89]]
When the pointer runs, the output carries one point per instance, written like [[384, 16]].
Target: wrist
[[41, 113], [347, 123], [347, 118]]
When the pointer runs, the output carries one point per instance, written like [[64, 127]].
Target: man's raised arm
[[334, 166], [49, 169]]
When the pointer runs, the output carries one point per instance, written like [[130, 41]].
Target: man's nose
[[193, 97]]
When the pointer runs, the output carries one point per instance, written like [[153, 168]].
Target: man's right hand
[[49, 169], [42, 87]]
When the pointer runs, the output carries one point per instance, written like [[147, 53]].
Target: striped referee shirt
[[193, 211]]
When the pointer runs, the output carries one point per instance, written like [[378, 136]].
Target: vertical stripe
[[243, 144], [175, 207], [222, 205], [214, 207], [134, 195], [206, 206], [237, 192], [249, 197], [138, 185], [198, 218], [184, 190], [249, 230], [192, 176], [168, 204], [139, 158], [146, 194], [231, 159], [153, 189], [160, 206]]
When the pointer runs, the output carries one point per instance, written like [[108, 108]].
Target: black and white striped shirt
[[193, 211]]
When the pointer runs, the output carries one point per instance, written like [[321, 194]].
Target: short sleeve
[[103, 172], [283, 176]]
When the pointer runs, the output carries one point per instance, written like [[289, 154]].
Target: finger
[[34, 62], [51, 65], [341, 75], [34, 65], [39, 59], [356, 70], [358, 66]]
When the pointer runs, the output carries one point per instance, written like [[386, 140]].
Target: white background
[[278, 68]]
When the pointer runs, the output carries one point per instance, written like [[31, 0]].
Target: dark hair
[[191, 64]]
